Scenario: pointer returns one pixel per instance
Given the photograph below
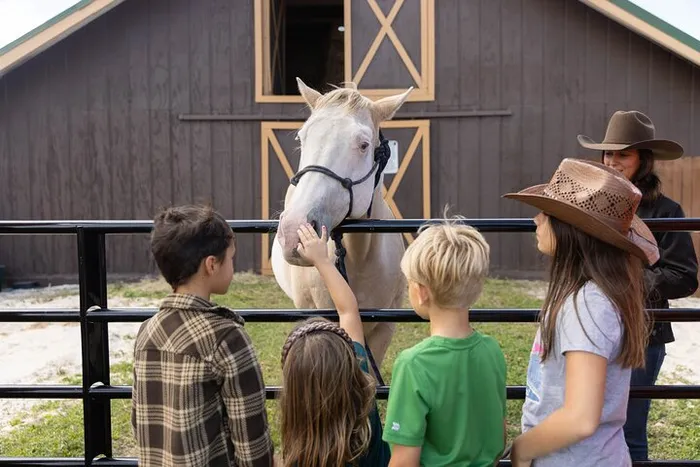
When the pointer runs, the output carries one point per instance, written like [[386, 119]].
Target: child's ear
[[210, 263], [423, 294]]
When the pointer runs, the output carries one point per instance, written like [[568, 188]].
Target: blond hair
[[451, 260]]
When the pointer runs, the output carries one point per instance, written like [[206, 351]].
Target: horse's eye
[[364, 146]]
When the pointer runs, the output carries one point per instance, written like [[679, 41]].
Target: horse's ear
[[309, 95], [386, 107]]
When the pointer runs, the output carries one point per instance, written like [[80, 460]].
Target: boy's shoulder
[[194, 307], [412, 354], [432, 342], [417, 349], [432, 347], [491, 343], [189, 324]]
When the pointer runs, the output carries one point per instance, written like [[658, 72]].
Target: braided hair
[[314, 325]]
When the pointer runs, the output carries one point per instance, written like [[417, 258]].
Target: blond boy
[[447, 402]]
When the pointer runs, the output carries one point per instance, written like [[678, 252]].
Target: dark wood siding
[[92, 128]]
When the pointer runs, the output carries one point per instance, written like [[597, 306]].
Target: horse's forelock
[[348, 99]]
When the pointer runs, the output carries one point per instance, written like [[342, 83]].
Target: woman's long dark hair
[[645, 178], [579, 258]]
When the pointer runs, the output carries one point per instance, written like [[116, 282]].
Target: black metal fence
[[94, 315]]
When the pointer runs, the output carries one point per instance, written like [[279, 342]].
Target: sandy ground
[[42, 353]]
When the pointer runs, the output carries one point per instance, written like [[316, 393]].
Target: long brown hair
[[326, 398], [645, 178], [579, 258]]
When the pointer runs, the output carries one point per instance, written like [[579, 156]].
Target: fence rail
[[94, 315]]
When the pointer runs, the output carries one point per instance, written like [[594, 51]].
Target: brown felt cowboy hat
[[633, 130], [597, 200]]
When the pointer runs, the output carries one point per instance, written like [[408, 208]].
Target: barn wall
[[96, 135], [679, 181], [91, 129]]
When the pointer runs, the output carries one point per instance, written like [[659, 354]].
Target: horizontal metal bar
[[284, 315], [512, 392], [391, 315], [40, 391], [26, 315], [504, 225], [395, 315], [259, 117], [115, 227]]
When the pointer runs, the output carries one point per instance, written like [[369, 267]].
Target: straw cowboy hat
[[596, 200], [633, 130]]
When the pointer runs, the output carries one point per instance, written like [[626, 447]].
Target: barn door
[[406, 189], [389, 46]]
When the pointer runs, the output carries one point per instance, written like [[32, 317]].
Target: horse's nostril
[[314, 225]]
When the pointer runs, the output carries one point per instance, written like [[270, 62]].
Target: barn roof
[[625, 12], [641, 21], [47, 34]]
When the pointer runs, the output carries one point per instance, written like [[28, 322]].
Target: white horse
[[340, 136]]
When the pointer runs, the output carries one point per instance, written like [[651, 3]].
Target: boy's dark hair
[[183, 236]]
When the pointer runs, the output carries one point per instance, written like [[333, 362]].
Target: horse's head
[[339, 137]]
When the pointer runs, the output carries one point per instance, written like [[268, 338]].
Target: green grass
[[55, 428]]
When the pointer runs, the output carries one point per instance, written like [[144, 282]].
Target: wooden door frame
[[424, 87]]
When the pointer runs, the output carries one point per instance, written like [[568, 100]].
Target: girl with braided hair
[[328, 412]]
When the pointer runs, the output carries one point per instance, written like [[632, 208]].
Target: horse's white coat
[[341, 134]]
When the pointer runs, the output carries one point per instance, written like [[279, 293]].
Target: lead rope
[[340, 265]]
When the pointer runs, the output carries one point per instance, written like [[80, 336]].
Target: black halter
[[382, 153], [381, 158]]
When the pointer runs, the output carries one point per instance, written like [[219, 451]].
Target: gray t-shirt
[[598, 316]]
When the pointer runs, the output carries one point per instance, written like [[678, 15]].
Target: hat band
[[608, 141]]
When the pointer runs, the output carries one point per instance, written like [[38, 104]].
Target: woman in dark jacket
[[631, 148]]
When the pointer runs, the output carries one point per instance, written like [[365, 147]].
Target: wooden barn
[[115, 108]]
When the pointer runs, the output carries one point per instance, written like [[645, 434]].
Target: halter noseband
[[382, 153]]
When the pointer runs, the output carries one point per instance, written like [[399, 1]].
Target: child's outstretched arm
[[315, 250]]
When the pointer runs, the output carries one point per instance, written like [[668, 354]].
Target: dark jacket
[[675, 275]]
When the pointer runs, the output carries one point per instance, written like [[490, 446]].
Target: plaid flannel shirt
[[198, 393]]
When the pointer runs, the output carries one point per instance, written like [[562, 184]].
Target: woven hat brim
[[642, 244], [662, 149]]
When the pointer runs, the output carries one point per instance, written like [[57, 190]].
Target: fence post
[[92, 275]]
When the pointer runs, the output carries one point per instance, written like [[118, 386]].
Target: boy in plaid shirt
[[199, 395]]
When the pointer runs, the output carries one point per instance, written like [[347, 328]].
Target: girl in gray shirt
[[593, 325]]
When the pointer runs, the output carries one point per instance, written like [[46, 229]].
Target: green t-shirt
[[449, 397]]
